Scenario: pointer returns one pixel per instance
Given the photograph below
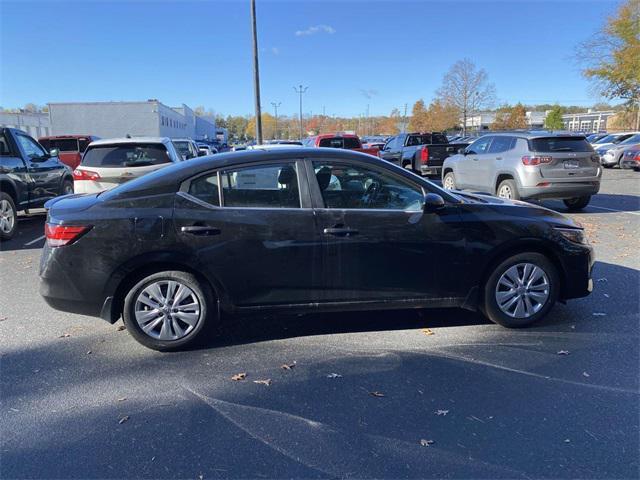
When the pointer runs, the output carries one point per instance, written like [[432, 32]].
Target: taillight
[[424, 155], [527, 160], [637, 157], [85, 175], [60, 235]]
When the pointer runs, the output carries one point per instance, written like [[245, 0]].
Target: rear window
[[340, 142], [426, 139], [560, 144], [62, 144], [130, 155]]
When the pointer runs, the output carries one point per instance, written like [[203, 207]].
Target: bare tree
[[467, 89]]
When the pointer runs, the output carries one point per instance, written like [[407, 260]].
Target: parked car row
[[612, 148]]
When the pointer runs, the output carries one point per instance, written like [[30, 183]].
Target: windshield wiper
[[562, 149]]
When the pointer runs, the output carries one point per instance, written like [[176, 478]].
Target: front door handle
[[498, 158], [203, 230], [341, 231]]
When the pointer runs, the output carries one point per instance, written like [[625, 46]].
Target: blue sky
[[349, 53]]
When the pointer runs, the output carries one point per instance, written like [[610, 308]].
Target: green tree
[[553, 121], [611, 58]]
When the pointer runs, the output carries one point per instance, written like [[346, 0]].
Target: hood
[[517, 208], [75, 202]]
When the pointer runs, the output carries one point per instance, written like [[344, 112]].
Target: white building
[[35, 124], [484, 120], [588, 121], [118, 119]]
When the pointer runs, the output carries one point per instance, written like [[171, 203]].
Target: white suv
[[110, 162]]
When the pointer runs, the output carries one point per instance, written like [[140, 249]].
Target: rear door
[[253, 231], [565, 157]]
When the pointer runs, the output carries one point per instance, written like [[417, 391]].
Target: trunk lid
[[566, 157]]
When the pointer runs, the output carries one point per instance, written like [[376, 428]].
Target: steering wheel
[[371, 193]]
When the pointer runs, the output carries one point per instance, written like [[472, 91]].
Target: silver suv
[[527, 166]]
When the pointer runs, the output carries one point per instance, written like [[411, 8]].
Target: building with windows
[[484, 120], [118, 119], [35, 124], [588, 121]]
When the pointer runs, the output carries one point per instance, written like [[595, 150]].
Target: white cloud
[[316, 29]]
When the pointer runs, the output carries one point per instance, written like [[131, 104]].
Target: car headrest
[[286, 175], [324, 177]]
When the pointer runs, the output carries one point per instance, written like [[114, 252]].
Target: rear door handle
[[340, 231], [203, 230], [498, 158]]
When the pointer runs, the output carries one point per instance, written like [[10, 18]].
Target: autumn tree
[[268, 126], [419, 121], [510, 118], [553, 120], [441, 117], [467, 89], [611, 58]]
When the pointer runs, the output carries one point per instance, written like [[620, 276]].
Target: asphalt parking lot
[[362, 395]]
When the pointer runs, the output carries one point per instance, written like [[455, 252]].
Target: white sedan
[[110, 162]]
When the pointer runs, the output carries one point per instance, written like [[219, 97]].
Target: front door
[[252, 230], [378, 244], [45, 171], [475, 161]]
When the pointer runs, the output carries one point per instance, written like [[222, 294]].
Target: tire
[[67, 187], [8, 216], [186, 333], [449, 177], [606, 165], [492, 289], [509, 186], [577, 203]]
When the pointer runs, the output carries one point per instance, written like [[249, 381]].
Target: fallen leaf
[[88, 352], [14, 409], [427, 331], [266, 382], [607, 295], [239, 376], [585, 374], [2, 319], [123, 419], [121, 328], [65, 335], [288, 366], [566, 440], [334, 375], [376, 394], [426, 443], [599, 314], [602, 280], [563, 352], [441, 412], [122, 399]]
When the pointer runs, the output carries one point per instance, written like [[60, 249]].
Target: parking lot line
[[34, 241], [615, 210]]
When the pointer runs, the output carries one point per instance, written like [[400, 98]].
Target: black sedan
[[301, 230]]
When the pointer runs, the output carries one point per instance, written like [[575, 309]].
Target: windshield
[[62, 144], [340, 142], [607, 139], [129, 155], [560, 144], [631, 140]]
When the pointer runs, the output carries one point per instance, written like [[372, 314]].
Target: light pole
[[300, 91], [256, 74], [275, 107]]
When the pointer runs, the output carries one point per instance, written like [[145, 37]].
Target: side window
[[501, 144], [5, 151], [30, 147], [391, 143], [480, 146], [205, 188], [264, 186], [345, 186]]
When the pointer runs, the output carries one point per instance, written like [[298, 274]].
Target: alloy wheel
[[522, 290], [505, 192], [7, 216], [167, 310], [448, 183]]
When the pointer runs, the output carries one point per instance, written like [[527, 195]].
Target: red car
[[631, 158], [340, 140], [70, 147]]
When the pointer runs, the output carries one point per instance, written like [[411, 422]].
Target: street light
[[256, 74], [275, 107], [300, 90]]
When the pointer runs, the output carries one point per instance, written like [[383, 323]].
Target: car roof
[[62, 137], [533, 134], [126, 140], [181, 139], [337, 135]]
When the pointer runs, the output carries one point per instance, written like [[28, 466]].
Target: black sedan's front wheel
[[168, 310], [521, 290]]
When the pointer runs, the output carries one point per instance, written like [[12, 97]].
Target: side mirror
[[433, 202], [54, 152], [462, 151]]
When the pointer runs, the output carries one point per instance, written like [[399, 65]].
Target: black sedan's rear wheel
[[168, 310], [521, 290]]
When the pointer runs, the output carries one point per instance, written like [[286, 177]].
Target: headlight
[[610, 152], [575, 235]]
